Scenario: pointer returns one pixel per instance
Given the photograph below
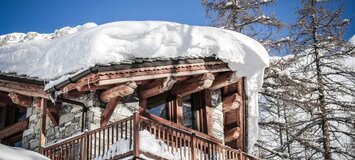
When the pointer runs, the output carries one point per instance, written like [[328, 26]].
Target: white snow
[[147, 143], [50, 59], [352, 40], [15, 153]]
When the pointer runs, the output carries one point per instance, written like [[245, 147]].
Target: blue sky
[[45, 16]]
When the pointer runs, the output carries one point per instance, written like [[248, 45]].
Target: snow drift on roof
[[114, 42]]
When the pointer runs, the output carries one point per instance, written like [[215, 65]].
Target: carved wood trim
[[118, 91]]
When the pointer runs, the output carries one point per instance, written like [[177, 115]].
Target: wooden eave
[[106, 79], [25, 89]]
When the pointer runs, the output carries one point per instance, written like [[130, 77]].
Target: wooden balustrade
[[182, 142]]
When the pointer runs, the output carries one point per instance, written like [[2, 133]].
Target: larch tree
[[331, 91], [248, 17]]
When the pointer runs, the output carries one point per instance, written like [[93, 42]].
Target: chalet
[[179, 106]]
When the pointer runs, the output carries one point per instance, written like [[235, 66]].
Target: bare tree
[[247, 17]]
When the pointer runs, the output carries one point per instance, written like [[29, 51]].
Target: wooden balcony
[[181, 141]]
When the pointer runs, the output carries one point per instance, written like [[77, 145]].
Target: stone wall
[[70, 121], [71, 117], [217, 114]]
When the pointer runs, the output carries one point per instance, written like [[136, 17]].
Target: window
[[158, 105], [11, 114], [189, 111], [158, 109]]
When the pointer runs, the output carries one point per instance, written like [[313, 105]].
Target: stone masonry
[[71, 117]]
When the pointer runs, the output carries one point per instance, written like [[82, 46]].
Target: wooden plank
[[208, 105], [241, 115], [13, 129], [23, 89], [138, 74], [179, 116], [92, 87], [158, 76], [110, 107], [120, 90], [191, 86], [42, 131]]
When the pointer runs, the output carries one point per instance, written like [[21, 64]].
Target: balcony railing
[[180, 141]]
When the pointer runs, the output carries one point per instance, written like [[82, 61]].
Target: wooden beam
[[179, 116], [53, 112], [232, 134], [118, 91], [21, 100], [14, 128], [231, 102], [43, 123], [224, 79], [110, 107], [157, 87], [92, 87], [23, 89], [208, 105], [193, 85], [241, 115]]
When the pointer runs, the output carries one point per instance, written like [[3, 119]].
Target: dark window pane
[[187, 112], [158, 110]]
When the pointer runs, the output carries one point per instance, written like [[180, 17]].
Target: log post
[[136, 124], [42, 131]]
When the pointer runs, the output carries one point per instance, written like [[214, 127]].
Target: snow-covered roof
[[58, 56], [50, 56]]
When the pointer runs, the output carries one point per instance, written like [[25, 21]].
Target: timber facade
[[195, 106]]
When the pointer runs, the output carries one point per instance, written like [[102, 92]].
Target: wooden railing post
[[193, 146], [241, 156], [85, 146], [136, 134]]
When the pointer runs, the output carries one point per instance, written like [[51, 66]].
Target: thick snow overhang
[[68, 56]]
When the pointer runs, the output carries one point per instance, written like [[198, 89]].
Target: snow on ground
[[51, 59], [14, 153]]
